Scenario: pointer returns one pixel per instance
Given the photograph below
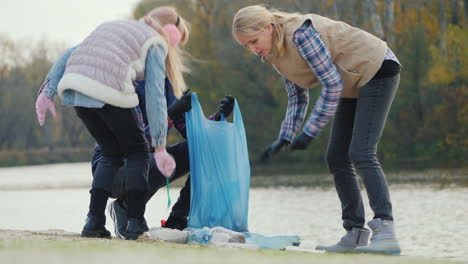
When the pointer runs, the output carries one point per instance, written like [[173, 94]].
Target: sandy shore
[[58, 246]]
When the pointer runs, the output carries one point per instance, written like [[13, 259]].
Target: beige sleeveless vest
[[356, 54]]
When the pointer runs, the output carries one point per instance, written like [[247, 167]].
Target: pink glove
[[44, 103], [165, 163]]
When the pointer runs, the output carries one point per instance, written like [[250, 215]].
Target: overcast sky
[[64, 21]]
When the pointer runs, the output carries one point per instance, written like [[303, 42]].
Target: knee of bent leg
[[362, 157], [336, 159], [111, 160]]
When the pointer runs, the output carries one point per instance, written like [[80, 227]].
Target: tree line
[[428, 120]]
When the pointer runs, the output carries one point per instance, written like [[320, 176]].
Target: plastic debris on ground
[[224, 237]]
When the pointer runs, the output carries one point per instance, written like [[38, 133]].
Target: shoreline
[[437, 178]]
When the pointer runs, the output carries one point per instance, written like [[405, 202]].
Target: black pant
[[120, 137], [355, 134], [155, 179]]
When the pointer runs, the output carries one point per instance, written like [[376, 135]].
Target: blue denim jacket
[[154, 86], [141, 108]]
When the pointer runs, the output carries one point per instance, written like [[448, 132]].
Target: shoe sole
[[326, 249], [395, 252], [132, 237], [94, 234], [113, 216]]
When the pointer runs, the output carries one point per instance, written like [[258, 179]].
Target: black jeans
[[121, 137], [155, 179], [356, 131]]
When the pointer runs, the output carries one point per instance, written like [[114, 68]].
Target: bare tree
[[375, 18], [465, 5], [334, 10], [455, 12], [388, 21], [349, 7], [443, 27]]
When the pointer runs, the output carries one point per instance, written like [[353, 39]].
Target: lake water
[[431, 221]]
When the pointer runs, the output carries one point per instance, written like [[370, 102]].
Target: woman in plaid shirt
[[359, 76]]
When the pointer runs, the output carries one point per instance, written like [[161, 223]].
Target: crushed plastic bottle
[[222, 235], [199, 236], [168, 235], [280, 242]]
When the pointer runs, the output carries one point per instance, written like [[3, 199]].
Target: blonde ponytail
[[176, 60], [175, 69]]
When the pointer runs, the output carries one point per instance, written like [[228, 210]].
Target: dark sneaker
[[348, 243], [145, 226], [95, 227], [135, 228], [118, 213], [174, 222]]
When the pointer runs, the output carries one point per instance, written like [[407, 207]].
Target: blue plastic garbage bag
[[220, 170]]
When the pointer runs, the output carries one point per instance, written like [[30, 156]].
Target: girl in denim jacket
[[96, 78]]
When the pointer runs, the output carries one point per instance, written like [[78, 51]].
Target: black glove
[[225, 107], [181, 106], [272, 149], [301, 141]]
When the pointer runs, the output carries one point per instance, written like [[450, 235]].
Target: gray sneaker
[[118, 214], [383, 240], [353, 238]]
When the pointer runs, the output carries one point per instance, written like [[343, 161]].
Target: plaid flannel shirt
[[316, 54]]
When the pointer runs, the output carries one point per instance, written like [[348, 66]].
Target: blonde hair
[[176, 60], [251, 20]]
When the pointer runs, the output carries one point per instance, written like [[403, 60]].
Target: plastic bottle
[[169, 235], [200, 236], [271, 242]]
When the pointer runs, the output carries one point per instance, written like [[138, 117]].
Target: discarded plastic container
[[168, 234], [222, 235], [271, 242], [199, 236]]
